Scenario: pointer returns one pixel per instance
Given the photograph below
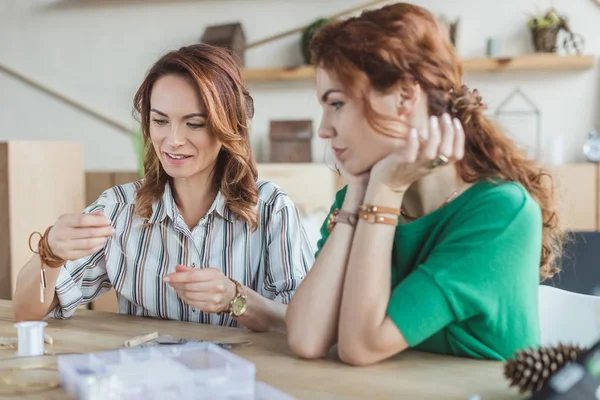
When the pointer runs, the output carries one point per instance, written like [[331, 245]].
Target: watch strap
[[239, 292]]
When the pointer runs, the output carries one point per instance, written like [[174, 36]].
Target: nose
[[176, 136], [326, 131]]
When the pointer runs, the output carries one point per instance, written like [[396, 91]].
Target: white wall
[[98, 53]]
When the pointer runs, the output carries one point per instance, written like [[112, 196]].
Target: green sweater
[[465, 277]]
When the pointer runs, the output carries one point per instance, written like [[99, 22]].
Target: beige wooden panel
[[120, 178], [95, 184], [45, 179], [311, 187], [5, 250], [107, 302], [576, 193]]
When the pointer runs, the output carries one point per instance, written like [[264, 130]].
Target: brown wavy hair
[[216, 75], [403, 44]]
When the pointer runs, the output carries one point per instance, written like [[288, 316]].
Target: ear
[[408, 97]]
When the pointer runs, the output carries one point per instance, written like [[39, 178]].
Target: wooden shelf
[[301, 72], [529, 62]]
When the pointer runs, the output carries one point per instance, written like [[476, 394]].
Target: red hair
[[402, 44], [217, 77]]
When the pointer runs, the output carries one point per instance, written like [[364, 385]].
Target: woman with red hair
[[440, 238], [198, 239]]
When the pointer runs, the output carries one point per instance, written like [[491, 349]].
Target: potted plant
[[544, 30]]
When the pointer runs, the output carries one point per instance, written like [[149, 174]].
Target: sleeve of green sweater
[[487, 250], [339, 200]]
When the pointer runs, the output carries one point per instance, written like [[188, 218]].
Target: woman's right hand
[[78, 235]]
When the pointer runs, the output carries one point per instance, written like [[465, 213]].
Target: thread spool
[[30, 338]]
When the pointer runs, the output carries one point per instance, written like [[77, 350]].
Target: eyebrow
[[184, 117], [327, 93]]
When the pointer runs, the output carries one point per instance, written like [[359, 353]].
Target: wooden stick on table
[[137, 340]]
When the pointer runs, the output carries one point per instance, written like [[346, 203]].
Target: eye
[[160, 121], [195, 125], [336, 105]]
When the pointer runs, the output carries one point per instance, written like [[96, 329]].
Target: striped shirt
[[272, 260]]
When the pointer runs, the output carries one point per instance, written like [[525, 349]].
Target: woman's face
[[355, 144], [178, 128]]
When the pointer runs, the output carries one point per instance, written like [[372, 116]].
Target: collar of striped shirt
[[273, 260], [168, 208]]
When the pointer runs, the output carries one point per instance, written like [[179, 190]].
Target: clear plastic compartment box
[[193, 371]]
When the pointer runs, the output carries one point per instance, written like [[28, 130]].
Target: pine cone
[[530, 369]]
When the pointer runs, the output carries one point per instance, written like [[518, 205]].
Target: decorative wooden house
[[291, 141], [230, 36]]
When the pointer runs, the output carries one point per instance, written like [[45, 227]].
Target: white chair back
[[568, 317]]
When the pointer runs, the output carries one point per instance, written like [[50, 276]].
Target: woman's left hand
[[207, 289], [412, 160]]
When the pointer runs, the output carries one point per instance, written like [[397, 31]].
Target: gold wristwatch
[[239, 304]]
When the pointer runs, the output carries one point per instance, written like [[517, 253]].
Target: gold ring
[[439, 161]]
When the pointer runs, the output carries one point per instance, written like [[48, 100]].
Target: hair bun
[[467, 103]]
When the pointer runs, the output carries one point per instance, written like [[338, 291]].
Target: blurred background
[[69, 70], [97, 52]]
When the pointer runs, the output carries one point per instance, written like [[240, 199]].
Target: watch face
[[239, 306]]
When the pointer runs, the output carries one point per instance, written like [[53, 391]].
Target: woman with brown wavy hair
[[440, 238], [198, 239]]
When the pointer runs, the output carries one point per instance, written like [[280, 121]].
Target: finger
[[76, 255], [447, 139], [199, 287], [205, 298], [86, 244], [412, 147], [181, 277], [459, 140], [190, 275], [183, 268], [207, 305], [433, 141], [204, 287], [95, 232], [87, 220]]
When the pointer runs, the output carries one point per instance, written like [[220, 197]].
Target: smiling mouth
[[177, 156]]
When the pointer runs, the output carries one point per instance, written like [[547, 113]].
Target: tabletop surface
[[410, 375]]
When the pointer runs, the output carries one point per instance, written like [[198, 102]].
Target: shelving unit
[[529, 62]]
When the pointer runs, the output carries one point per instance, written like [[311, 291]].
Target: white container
[[554, 150], [30, 338], [193, 371]]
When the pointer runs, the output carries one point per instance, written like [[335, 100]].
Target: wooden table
[[411, 375]]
